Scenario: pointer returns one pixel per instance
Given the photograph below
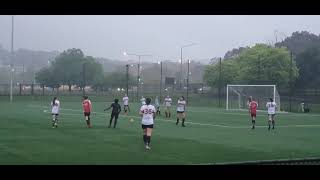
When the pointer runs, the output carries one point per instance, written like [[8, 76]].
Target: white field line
[[262, 161], [166, 120]]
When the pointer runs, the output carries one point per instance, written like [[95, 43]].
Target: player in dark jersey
[[116, 109]]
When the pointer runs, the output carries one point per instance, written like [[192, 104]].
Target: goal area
[[237, 96]]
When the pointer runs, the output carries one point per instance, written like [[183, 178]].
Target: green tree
[[229, 73], [260, 64], [46, 78], [309, 68]]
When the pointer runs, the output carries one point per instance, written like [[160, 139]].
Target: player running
[[157, 103], [253, 105], [126, 104], [181, 106], [116, 109], [143, 100], [55, 108], [147, 112], [87, 108], [167, 103], [271, 112]]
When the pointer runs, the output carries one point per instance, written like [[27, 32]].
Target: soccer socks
[[115, 122], [169, 114], [183, 122], [110, 122], [272, 124], [166, 114], [145, 139], [177, 121], [148, 140], [269, 125], [253, 123]]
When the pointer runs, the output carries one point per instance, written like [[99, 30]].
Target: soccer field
[[211, 136]]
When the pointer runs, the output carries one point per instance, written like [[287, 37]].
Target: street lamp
[[138, 79], [184, 46]]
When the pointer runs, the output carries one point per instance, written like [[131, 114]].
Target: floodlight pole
[[11, 64], [127, 77]]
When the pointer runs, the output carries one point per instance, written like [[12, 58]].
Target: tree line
[[271, 64], [73, 68]]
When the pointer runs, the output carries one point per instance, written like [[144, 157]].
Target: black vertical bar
[[138, 83], [290, 96], [20, 89], [84, 78], [160, 82], [32, 89], [219, 88], [127, 79], [188, 82]]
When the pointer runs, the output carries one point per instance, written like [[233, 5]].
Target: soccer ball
[[131, 120], [45, 111]]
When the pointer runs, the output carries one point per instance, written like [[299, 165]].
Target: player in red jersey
[[253, 111], [87, 108]]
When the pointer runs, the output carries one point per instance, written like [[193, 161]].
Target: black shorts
[[147, 126], [55, 114], [180, 112], [86, 113]]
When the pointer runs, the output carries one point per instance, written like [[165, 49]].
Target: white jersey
[[55, 107], [148, 111], [143, 101], [271, 107], [181, 106], [167, 101], [125, 100]]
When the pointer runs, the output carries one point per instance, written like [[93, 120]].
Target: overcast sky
[[161, 36]]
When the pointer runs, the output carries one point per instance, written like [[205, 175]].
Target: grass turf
[[211, 136]]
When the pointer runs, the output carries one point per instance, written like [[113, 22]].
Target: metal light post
[[290, 97], [160, 62], [188, 82], [11, 64], [127, 76], [184, 46], [138, 79]]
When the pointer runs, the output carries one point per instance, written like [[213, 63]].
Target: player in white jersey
[[271, 112], [55, 108], [143, 100], [181, 107], [126, 104], [167, 103], [148, 113]]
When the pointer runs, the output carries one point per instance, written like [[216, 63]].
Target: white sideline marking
[[255, 161], [166, 120]]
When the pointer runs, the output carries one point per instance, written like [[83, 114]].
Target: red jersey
[[86, 104], [253, 107]]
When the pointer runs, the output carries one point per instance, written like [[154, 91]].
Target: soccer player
[[143, 100], [126, 104], [116, 109], [271, 112], [87, 108], [253, 105], [157, 105], [147, 112], [181, 106], [55, 108], [167, 103]]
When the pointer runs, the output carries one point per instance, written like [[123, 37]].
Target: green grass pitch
[[211, 136]]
